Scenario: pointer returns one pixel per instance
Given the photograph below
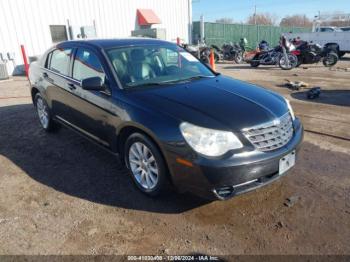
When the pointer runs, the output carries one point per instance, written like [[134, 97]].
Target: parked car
[[169, 117]]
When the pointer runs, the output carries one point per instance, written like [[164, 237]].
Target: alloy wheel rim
[[143, 165], [42, 112], [288, 63]]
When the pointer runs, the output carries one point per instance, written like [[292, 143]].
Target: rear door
[[55, 78]]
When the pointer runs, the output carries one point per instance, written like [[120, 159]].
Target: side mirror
[[92, 83]]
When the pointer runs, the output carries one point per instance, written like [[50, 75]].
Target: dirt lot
[[60, 194]]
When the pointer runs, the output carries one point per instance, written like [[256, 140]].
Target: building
[[39, 24]]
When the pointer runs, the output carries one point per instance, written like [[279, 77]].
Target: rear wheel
[[216, 57], [238, 57], [146, 165], [44, 114], [330, 59]]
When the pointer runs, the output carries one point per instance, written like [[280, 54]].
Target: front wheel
[[146, 164], [288, 62], [330, 59]]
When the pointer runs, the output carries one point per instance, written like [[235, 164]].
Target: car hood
[[220, 102]]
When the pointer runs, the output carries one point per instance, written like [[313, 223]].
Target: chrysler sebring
[[171, 119]]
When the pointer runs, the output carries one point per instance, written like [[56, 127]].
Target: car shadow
[[331, 97], [73, 165]]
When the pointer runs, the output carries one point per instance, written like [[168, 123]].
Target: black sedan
[[170, 118]]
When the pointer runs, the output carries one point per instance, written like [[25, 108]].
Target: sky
[[239, 10]]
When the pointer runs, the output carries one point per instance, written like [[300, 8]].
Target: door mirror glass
[[92, 83]]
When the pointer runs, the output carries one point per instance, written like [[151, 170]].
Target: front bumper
[[240, 173]]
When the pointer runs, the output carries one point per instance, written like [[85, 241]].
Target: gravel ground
[[60, 194]]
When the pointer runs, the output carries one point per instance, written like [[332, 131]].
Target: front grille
[[271, 135]]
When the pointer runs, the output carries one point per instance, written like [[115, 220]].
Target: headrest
[[137, 55]]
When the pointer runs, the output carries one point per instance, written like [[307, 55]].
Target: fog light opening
[[224, 192]]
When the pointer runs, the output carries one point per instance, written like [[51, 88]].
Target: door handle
[[71, 86], [47, 78]]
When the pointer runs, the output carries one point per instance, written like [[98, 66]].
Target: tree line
[[297, 20]]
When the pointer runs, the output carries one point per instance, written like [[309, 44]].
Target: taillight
[[296, 52]]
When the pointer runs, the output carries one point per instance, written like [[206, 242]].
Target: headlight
[[290, 109], [207, 141]]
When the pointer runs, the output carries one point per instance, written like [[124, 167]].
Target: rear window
[[59, 61]]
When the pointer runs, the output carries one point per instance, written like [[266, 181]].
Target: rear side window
[[59, 61], [87, 64]]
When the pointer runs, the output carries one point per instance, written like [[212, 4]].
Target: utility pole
[[254, 14], [202, 32], [189, 6]]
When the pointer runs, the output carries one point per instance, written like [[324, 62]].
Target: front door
[[92, 114]]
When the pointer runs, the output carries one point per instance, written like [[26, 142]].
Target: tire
[[293, 62], [216, 57], [138, 153], [44, 114], [330, 59], [254, 64], [238, 58]]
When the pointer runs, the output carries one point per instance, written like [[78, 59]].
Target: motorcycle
[[314, 53], [205, 53], [194, 50], [202, 52], [280, 55], [232, 52]]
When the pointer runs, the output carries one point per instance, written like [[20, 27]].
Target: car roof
[[110, 43]]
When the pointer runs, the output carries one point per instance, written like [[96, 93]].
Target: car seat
[[140, 69]]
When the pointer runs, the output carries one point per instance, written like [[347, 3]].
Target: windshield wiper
[[169, 82], [189, 79], [147, 84], [197, 77]]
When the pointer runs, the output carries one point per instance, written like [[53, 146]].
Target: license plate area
[[286, 162]]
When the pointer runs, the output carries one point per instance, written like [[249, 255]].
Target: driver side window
[[86, 65]]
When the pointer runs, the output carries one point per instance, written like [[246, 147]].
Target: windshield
[[155, 65]]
